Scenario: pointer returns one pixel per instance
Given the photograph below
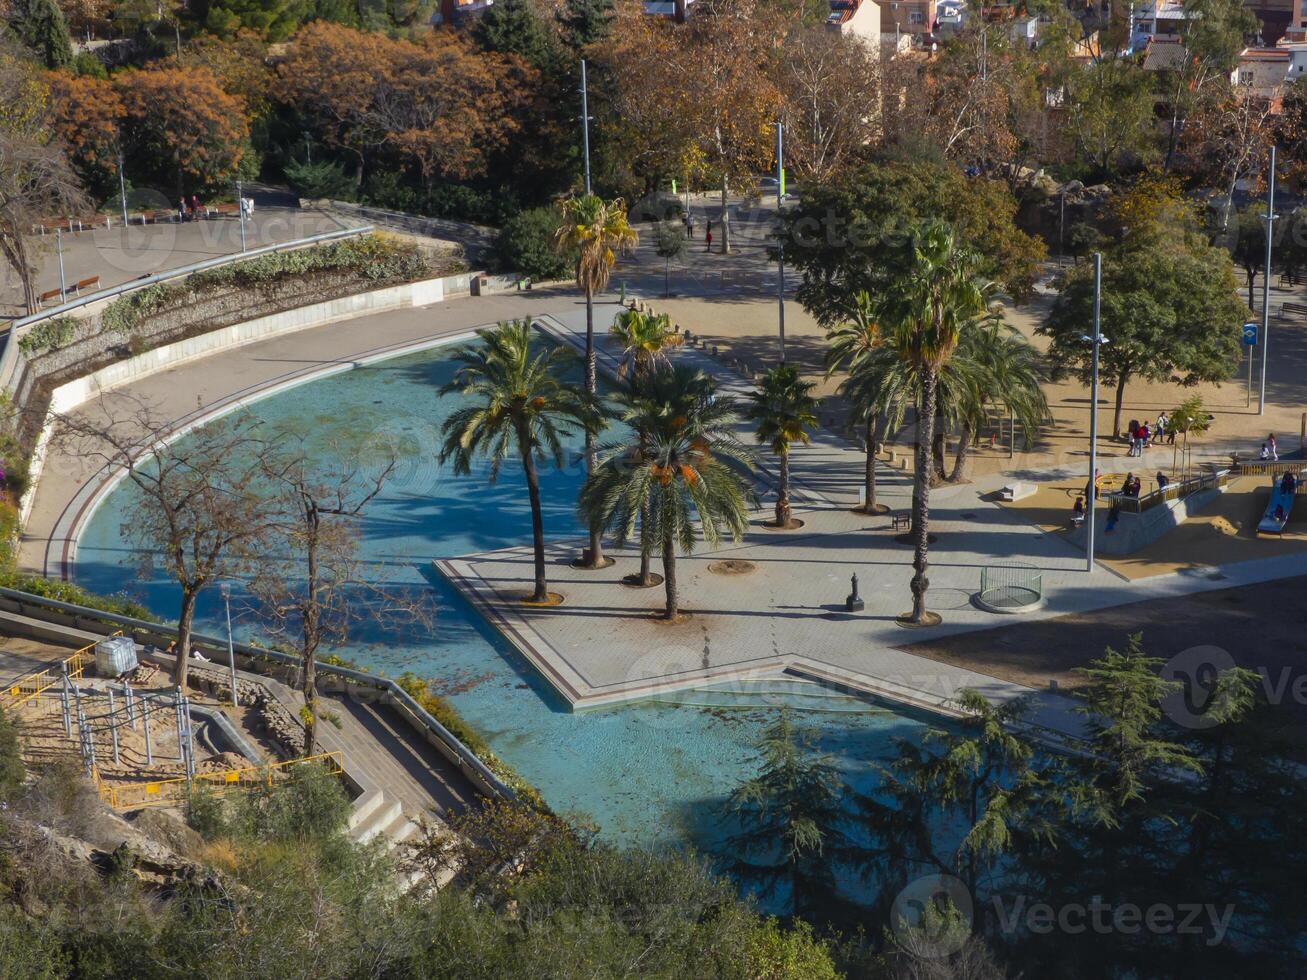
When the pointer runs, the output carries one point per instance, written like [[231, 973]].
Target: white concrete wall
[[409, 295], [68, 396]]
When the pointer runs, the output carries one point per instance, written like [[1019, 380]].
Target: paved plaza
[[605, 644]]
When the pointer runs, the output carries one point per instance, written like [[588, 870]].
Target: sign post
[[1249, 342]]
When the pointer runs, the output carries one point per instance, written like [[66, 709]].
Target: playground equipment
[[1283, 492], [1010, 588]]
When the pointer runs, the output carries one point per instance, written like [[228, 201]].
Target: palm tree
[[784, 410], [1009, 375], [645, 339], [596, 230], [851, 343], [681, 467], [928, 299], [519, 405]]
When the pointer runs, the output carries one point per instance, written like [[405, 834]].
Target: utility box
[[115, 656]]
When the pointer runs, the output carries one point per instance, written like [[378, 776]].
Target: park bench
[[48, 295], [901, 520], [90, 283], [224, 209], [1293, 309]]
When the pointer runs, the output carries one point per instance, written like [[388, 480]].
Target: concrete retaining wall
[[409, 295], [1135, 531]]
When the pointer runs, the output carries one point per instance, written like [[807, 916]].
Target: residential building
[[908, 16], [856, 18], [1262, 72]]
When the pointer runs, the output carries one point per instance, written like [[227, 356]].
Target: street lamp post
[[1097, 340], [225, 589], [780, 256], [59, 247], [122, 186], [240, 202], [1269, 218]]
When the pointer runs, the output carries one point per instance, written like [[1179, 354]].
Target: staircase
[[376, 814]]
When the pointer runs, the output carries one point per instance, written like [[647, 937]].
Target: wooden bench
[[89, 283], [224, 209], [48, 295], [901, 521], [1293, 309]]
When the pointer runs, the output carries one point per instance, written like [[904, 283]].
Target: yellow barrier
[[163, 792], [33, 685]]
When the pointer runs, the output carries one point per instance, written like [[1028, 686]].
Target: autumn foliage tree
[[182, 127], [87, 114], [441, 105]]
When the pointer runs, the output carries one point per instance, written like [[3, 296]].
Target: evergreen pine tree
[[40, 25], [585, 22], [791, 818]]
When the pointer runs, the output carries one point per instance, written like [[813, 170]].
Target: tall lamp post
[[780, 256], [1269, 218], [1097, 340], [585, 125], [122, 186], [240, 208], [225, 589]]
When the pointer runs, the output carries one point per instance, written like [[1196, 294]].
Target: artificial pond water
[[649, 774]]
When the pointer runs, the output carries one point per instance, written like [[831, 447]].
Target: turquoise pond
[[650, 774]]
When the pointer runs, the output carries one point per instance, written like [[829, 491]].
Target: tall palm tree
[[596, 230], [1010, 376], [518, 405], [930, 295], [680, 468], [645, 339], [851, 343], [784, 410]]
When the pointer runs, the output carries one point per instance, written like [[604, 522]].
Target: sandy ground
[[1224, 531], [730, 301]]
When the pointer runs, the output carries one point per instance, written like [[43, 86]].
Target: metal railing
[[186, 270], [164, 792], [141, 631], [1172, 491], [29, 686]]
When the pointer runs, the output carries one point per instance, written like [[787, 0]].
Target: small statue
[[853, 603]]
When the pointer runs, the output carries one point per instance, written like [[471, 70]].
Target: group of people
[[190, 210], [1142, 435], [1269, 449]]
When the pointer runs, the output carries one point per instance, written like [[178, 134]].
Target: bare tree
[[36, 180], [197, 506], [316, 589]]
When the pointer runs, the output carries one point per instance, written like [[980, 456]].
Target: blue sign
[[1250, 334]]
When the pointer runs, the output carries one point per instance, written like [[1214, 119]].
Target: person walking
[[707, 238], [195, 206], [1270, 445]]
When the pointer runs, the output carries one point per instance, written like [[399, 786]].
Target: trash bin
[[115, 656]]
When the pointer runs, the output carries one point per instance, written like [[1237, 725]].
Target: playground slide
[[1277, 509]]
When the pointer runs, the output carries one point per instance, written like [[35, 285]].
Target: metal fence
[[1172, 491], [164, 792], [1011, 586], [345, 678], [23, 689]]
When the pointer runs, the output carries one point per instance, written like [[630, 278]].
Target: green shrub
[[308, 805], [11, 760], [526, 245], [206, 813], [373, 258], [76, 595], [48, 335]]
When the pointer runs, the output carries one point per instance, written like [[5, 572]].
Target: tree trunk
[[726, 222], [596, 557], [541, 593], [869, 476], [184, 619], [1122, 378], [921, 497], [1252, 277], [783, 492], [937, 451], [960, 460], [646, 547], [667, 273], [310, 688], [669, 577]]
